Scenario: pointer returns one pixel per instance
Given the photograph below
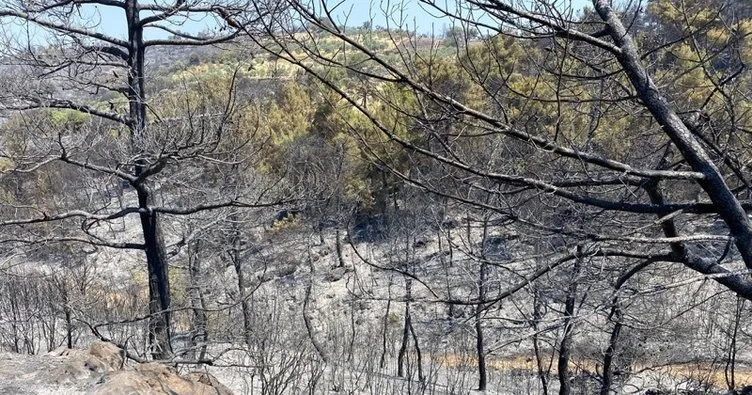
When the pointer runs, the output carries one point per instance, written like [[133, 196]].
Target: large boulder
[[158, 379], [86, 365]]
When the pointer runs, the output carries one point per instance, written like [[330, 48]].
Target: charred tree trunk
[[199, 336], [418, 353], [447, 264], [405, 331], [616, 315], [608, 358], [480, 308], [68, 319], [730, 368], [307, 318], [565, 348], [384, 334], [338, 246], [159, 285], [537, 315], [158, 272], [237, 264]]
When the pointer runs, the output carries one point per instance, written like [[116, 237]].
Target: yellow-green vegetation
[[5, 164], [67, 119]]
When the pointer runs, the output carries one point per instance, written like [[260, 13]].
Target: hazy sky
[[358, 11]]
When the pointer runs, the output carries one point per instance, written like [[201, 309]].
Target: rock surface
[[98, 370]]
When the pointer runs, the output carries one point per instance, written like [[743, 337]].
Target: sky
[[354, 12]]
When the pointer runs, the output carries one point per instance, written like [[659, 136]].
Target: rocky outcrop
[[158, 379], [99, 370]]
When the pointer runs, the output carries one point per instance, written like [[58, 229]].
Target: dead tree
[[84, 60]]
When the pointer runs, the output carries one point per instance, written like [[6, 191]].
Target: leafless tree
[[80, 62]]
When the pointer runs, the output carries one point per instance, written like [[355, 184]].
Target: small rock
[[207, 378]]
